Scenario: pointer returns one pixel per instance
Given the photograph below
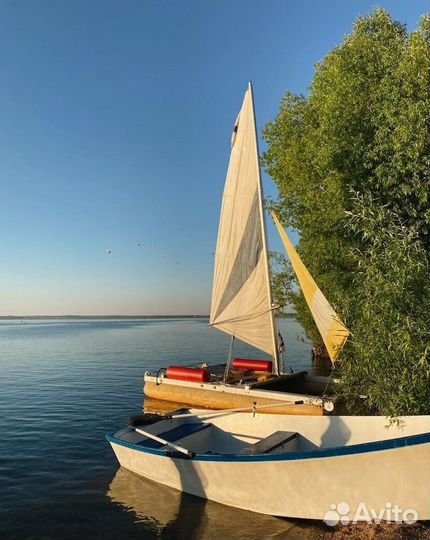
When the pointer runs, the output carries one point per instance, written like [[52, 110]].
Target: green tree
[[351, 161]]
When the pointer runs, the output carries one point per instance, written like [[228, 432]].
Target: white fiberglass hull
[[388, 469]]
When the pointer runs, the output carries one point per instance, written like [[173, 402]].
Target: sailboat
[[312, 466], [242, 304]]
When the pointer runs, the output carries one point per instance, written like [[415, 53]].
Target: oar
[[189, 453], [232, 411]]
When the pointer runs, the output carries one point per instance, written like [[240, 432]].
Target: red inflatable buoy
[[254, 365], [188, 374]]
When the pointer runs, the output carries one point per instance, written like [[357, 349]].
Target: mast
[[265, 250]]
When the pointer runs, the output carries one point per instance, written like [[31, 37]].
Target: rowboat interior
[[199, 434]]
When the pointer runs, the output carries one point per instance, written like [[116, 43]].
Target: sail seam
[[245, 317]]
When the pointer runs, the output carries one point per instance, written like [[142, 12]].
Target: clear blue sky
[[116, 119]]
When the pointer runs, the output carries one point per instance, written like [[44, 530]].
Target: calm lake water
[[63, 386]]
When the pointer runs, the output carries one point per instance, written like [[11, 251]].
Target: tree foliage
[[351, 161], [282, 280], [388, 358]]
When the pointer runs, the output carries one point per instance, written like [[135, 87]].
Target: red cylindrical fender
[[254, 365], [188, 374]]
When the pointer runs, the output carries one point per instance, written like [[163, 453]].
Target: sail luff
[[265, 250], [333, 332]]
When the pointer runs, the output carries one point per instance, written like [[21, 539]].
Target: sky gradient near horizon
[[116, 122]]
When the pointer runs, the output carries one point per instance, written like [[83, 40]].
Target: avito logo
[[340, 513]]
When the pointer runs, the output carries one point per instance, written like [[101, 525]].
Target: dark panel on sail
[[250, 250]]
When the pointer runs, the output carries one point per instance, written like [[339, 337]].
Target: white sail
[[241, 298]]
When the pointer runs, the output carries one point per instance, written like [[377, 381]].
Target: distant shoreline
[[111, 317], [27, 317]]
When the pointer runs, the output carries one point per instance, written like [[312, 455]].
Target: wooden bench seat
[[270, 443]]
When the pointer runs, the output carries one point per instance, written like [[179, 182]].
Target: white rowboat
[[303, 465]]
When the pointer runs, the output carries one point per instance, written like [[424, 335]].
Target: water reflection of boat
[[152, 503], [177, 515], [158, 406]]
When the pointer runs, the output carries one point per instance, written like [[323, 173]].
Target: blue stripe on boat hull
[[362, 448]]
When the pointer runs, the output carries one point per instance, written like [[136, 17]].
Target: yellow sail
[[333, 332]]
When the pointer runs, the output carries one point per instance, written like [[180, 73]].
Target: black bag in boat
[[144, 419]]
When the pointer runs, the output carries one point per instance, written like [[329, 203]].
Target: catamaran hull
[[213, 395], [382, 478], [219, 398]]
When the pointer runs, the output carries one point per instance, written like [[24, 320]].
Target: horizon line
[[113, 316], [74, 316]]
